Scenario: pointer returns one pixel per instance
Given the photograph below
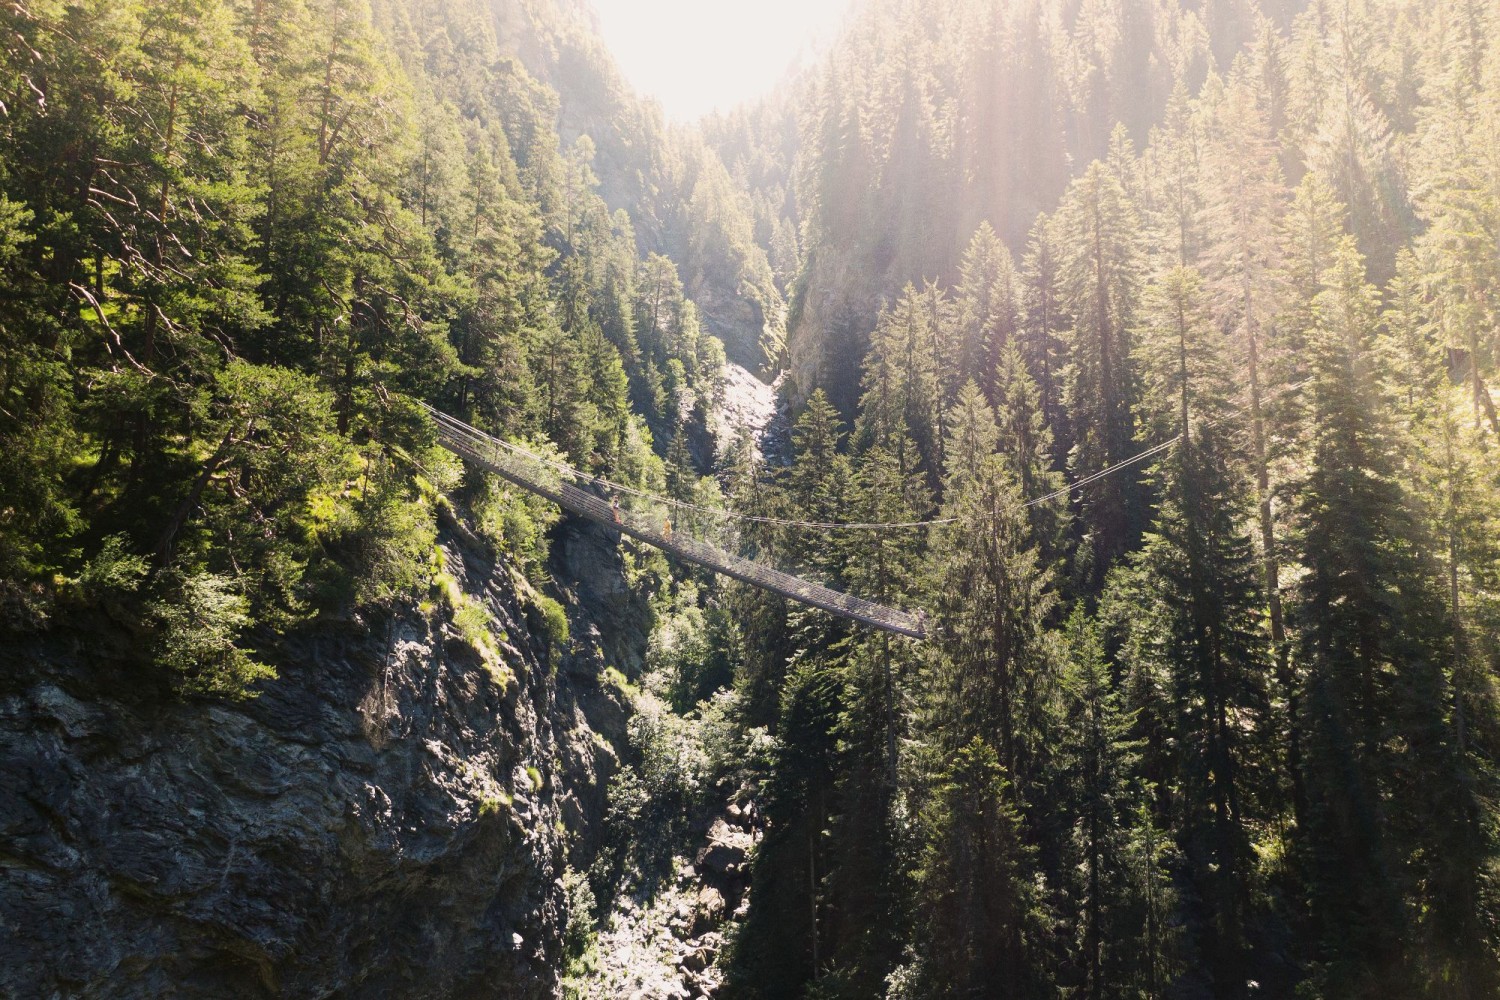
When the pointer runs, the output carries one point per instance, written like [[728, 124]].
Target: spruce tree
[[1097, 758], [900, 407], [867, 878], [1243, 201], [992, 598], [1027, 447], [974, 906], [1197, 573], [1043, 321], [972, 436], [1373, 638], [1099, 272], [988, 308]]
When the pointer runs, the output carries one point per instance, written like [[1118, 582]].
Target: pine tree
[[1097, 758], [1457, 199], [1027, 446], [605, 388], [1441, 459], [988, 309], [899, 410], [992, 598], [1099, 276], [502, 255], [1197, 574], [1243, 199], [1044, 320], [37, 430], [189, 191], [1373, 643], [866, 881], [1171, 164], [972, 436], [174, 206], [1351, 143], [886, 565], [973, 901]]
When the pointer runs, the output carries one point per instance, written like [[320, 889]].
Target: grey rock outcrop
[[383, 821], [726, 852]]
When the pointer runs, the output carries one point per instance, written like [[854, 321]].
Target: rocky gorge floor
[[665, 944]]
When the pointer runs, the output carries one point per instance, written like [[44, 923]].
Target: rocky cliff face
[[386, 819], [828, 333], [737, 300]]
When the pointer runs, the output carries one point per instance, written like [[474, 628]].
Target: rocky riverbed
[[666, 943]]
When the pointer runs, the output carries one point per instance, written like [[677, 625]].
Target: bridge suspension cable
[[731, 515], [647, 519], [647, 523]]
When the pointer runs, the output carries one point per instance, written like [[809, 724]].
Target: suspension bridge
[[648, 519]]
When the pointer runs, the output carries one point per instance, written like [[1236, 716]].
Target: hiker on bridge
[[614, 508]]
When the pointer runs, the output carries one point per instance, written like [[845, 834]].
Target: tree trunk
[[167, 545]]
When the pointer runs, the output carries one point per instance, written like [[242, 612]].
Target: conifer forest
[[1146, 351]]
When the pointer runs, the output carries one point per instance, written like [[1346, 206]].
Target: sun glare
[[698, 55]]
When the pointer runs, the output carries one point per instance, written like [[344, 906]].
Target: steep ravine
[[386, 819]]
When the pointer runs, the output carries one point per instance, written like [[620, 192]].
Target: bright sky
[[696, 55]]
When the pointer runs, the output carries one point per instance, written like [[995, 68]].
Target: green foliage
[[517, 523], [1099, 278], [993, 598], [491, 805], [580, 936], [383, 537], [738, 756], [1228, 768], [899, 409], [473, 623], [974, 897], [37, 511], [554, 618], [238, 241], [219, 323], [195, 623], [672, 764], [113, 571]]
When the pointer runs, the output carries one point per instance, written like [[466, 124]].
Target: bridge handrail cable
[[493, 454]]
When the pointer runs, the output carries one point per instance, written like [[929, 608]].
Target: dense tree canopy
[[1179, 320]]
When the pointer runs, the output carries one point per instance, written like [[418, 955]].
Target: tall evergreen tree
[[1028, 452], [1043, 321], [974, 905], [1097, 758], [988, 308], [900, 408], [1372, 638], [1099, 272], [972, 436], [1198, 574], [992, 599]]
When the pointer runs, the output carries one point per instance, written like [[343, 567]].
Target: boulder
[[708, 910], [727, 850]]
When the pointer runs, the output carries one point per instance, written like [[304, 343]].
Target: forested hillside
[[239, 239], [1222, 721], [1163, 338]]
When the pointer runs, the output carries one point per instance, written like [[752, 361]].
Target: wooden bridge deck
[[504, 460]]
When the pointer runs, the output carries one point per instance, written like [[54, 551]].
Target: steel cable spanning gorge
[[649, 519]]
